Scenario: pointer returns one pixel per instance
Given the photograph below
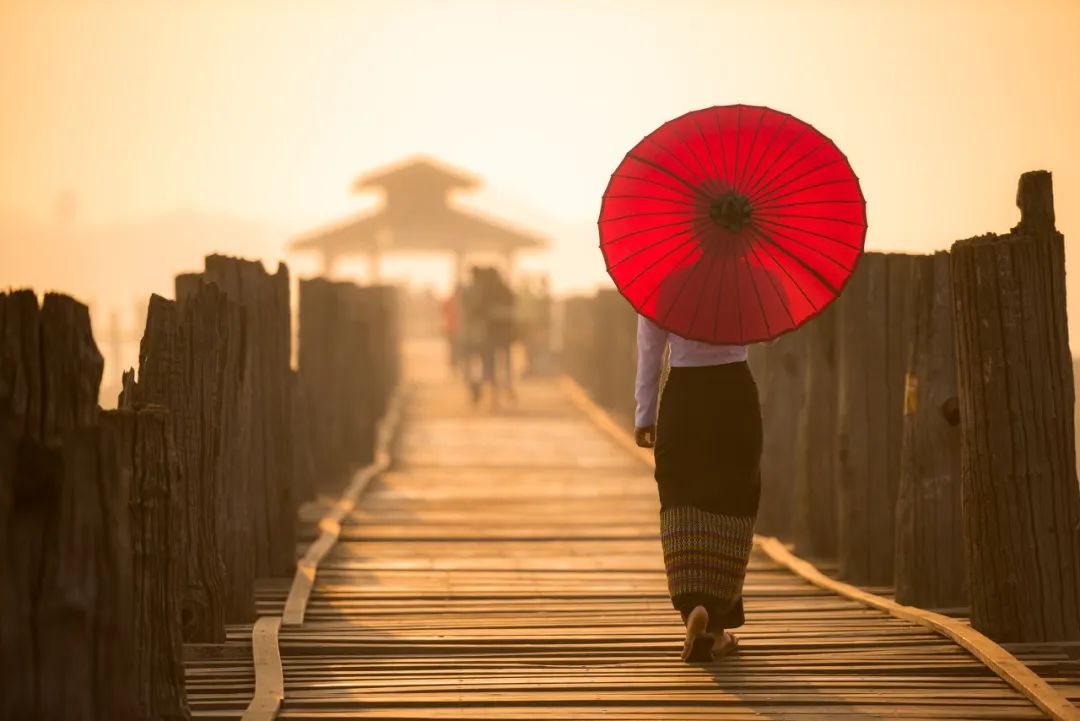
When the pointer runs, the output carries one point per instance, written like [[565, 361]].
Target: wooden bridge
[[507, 566], [271, 526]]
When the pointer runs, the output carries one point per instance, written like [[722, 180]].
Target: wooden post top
[[1035, 199]]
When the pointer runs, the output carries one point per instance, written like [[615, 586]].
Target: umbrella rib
[[689, 170], [801, 244], [680, 191], [834, 181], [751, 178], [791, 278], [705, 142], [813, 271], [656, 288], [812, 217], [706, 181], [769, 186], [720, 284], [656, 166], [752, 191], [720, 137], [697, 307], [632, 233], [814, 233], [750, 152], [642, 249], [769, 190], [772, 281], [653, 197], [678, 295], [735, 163], [796, 191], [649, 213], [830, 201], [757, 295], [681, 245]]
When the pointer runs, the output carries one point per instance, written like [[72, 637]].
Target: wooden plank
[[269, 676]]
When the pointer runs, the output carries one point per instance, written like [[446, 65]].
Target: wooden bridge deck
[[508, 567]]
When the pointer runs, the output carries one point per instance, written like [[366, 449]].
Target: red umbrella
[[732, 224]]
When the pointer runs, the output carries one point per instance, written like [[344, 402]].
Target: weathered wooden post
[[180, 363], [67, 642], [779, 367], [875, 329], [316, 320], [613, 361], [577, 340], [266, 429], [1021, 501], [814, 517], [137, 450], [232, 484], [931, 570]]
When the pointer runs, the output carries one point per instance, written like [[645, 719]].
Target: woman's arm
[[651, 341]]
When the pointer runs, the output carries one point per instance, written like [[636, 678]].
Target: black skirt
[[708, 456]]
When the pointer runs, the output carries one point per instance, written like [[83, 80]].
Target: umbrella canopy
[[732, 224]]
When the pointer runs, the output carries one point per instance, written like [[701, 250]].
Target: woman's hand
[[645, 437]]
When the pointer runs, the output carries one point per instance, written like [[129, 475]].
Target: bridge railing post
[[875, 329], [814, 503], [1021, 501], [779, 369], [931, 569], [86, 630]]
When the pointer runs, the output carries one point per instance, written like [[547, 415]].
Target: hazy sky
[[253, 117]]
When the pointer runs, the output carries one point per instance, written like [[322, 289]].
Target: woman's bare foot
[[728, 644], [698, 646]]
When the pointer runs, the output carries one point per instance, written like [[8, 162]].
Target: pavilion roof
[[416, 214], [452, 230]]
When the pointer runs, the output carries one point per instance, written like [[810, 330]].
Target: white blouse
[[651, 340]]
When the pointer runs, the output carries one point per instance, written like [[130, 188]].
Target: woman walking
[[728, 225], [708, 442]]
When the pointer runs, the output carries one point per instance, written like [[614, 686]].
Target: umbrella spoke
[[814, 233], [708, 150], [804, 188], [830, 201], [646, 213], [773, 190], [812, 217], [651, 198], [720, 138], [783, 296], [766, 174], [644, 248], [811, 248], [757, 295], [682, 244], [706, 180], [680, 191], [772, 281], [666, 171], [809, 268], [738, 140], [680, 161], [750, 153], [700, 303], [678, 295], [775, 178], [639, 231], [765, 151]]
